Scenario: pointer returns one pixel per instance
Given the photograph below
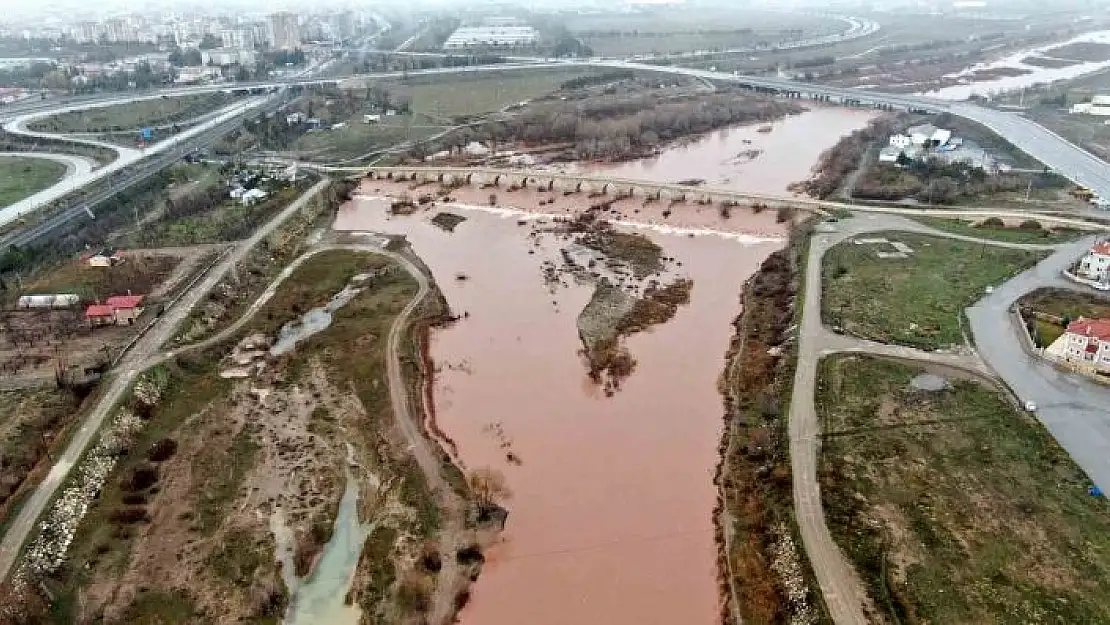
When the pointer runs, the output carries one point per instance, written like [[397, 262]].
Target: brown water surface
[[610, 522], [785, 155]]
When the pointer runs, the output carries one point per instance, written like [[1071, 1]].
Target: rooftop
[[1098, 328], [124, 302], [99, 310], [1102, 248]]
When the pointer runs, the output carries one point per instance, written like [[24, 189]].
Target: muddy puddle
[[746, 159], [610, 518], [316, 320]]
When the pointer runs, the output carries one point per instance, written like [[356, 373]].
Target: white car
[[1030, 406]]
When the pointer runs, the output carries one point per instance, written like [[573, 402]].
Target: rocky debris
[[47, 551], [786, 563]]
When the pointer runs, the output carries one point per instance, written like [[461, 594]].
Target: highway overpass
[[1054, 151]]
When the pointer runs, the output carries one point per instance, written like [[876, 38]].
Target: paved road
[[139, 357], [127, 156], [1074, 410], [838, 580], [77, 168]]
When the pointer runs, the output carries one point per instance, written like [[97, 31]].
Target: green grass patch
[[955, 506], [153, 607], [226, 221], [914, 301], [446, 98], [1033, 232], [358, 138], [22, 177], [133, 115]]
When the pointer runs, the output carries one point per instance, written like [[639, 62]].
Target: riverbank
[[765, 575], [622, 480]]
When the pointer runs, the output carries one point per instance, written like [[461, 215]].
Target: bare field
[[955, 506]]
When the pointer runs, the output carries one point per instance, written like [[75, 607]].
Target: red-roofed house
[[1087, 345], [121, 310], [100, 315], [1096, 264]]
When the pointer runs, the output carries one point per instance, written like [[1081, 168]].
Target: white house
[[1099, 105], [920, 134], [890, 154], [1085, 346], [928, 133], [1095, 265], [252, 197], [476, 149], [900, 141]]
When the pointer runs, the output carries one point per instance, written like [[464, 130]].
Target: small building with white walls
[[1095, 265]]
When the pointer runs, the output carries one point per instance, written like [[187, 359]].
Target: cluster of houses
[[926, 141], [1085, 345], [248, 186], [120, 310]]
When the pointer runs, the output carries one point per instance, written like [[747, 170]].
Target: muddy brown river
[[610, 519]]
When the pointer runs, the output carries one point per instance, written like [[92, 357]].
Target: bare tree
[[489, 487]]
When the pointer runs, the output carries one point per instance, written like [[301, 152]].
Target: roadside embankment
[[763, 572]]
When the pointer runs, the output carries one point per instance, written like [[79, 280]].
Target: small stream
[[321, 597]]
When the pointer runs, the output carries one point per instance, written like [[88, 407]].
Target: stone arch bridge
[[591, 184]]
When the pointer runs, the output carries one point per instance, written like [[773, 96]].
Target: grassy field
[[227, 221], [137, 274], [1002, 233], [954, 506], [358, 138], [669, 30], [915, 301], [436, 105], [21, 177], [29, 421], [134, 115], [1060, 307], [1083, 51], [1065, 303], [474, 95]]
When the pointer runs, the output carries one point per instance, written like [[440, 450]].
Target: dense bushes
[[619, 128], [836, 163]]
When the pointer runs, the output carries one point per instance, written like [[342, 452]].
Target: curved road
[[126, 158], [140, 356], [839, 582], [77, 167]]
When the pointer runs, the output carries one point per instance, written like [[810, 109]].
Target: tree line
[[615, 129]]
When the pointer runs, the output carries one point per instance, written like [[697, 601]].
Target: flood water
[[1036, 75], [610, 522], [724, 159]]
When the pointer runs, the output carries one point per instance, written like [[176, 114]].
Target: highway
[[126, 158]]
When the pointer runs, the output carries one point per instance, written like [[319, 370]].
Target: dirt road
[[840, 585], [450, 578], [128, 369]]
